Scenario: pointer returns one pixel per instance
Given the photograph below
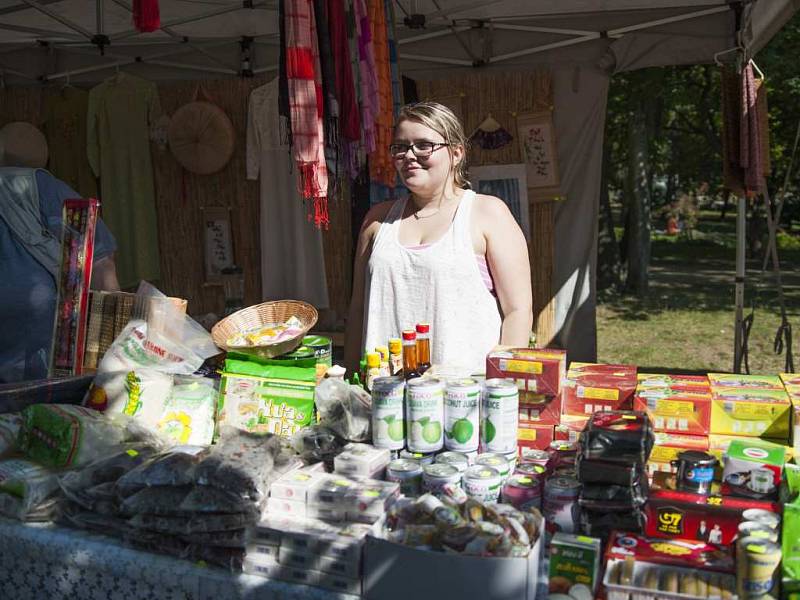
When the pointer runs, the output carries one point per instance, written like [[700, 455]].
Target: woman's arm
[[104, 274], [354, 330], [507, 256]]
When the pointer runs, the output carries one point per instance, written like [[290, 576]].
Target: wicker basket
[[267, 313]]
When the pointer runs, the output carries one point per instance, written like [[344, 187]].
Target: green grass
[[686, 323]]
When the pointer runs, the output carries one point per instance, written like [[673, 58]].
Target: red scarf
[[349, 117], [306, 105], [146, 16]]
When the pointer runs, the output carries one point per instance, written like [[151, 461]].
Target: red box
[[675, 411], [683, 515], [570, 428], [589, 388], [533, 435], [538, 375], [686, 383], [679, 553], [668, 446]]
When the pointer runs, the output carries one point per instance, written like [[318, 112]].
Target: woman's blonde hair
[[444, 122]]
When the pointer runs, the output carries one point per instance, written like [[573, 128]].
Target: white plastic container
[[636, 589]]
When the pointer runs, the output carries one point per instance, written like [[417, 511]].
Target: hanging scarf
[[750, 134], [397, 86], [284, 113], [380, 163], [306, 105], [368, 76], [349, 121], [146, 16], [331, 105]]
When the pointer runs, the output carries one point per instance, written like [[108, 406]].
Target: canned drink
[[563, 453], [560, 503], [437, 475], [765, 517], [523, 491], [530, 469], [483, 483], [496, 461], [423, 459], [536, 456], [424, 414], [511, 457], [458, 459], [388, 424], [756, 562], [462, 400], [407, 473], [757, 530], [499, 416]]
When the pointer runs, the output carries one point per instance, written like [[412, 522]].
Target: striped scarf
[[304, 81], [368, 76], [381, 166]]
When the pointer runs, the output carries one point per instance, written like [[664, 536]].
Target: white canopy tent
[[583, 42]]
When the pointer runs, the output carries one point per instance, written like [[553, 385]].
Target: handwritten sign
[[536, 136], [218, 242]]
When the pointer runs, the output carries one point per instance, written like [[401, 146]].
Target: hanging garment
[[380, 163], [349, 119], [121, 111], [440, 284], [397, 87], [368, 76], [65, 127], [292, 259], [750, 134]]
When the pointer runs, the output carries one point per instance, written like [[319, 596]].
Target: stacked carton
[[589, 388], [791, 382]]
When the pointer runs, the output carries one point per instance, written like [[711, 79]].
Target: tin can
[[765, 517], [563, 453], [323, 352], [426, 458], [565, 471], [458, 459], [695, 471], [536, 456], [462, 401], [388, 425], [560, 503], [523, 491], [407, 473], [496, 461], [424, 414], [756, 562], [530, 469], [499, 416], [757, 530], [437, 475], [512, 458], [483, 483]]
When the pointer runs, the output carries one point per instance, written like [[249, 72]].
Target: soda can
[[407, 473], [458, 459], [437, 475], [499, 416], [424, 414], [462, 400], [560, 503], [483, 483], [496, 461], [388, 424]]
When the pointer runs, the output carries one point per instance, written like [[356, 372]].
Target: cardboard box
[[683, 515], [675, 411], [294, 485], [574, 560], [750, 413], [753, 382], [570, 428], [396, 572], [697, 555], [589, 388], [538, 375], [753, 469], [533, 435], [718, 445], [668, 446], [790, 379], [685, 383]]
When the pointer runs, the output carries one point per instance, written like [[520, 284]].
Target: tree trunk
[[639, 202], [725, 205], [608, 255]]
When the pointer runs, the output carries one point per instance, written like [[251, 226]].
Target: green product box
[[574, 561]]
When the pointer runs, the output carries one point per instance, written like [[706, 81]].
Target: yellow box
[[736, 380], [748, 412], [790, 379]]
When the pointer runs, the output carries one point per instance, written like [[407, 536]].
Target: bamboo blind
[[505, 96]]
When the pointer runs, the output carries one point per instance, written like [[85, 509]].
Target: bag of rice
[[188, 415]]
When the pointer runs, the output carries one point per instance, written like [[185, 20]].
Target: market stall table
[[47, 561]]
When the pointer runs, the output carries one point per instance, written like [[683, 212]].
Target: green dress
[[65, 128], [121, 112]]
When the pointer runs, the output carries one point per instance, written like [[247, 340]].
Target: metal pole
[[537, 49], [99, 16], [57, 17], [741, 242]]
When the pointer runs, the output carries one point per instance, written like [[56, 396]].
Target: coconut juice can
[[388, 425], [483, 483], [407, 473], [424, 415], [462, 400], [437, 475], [499, 416]]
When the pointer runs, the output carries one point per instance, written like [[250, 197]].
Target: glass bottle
[[373, 369], [423, 347], [384, 352], [410, 354], [396, 356]]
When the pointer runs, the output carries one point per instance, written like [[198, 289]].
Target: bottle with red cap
[[423, 347], [410, 363]]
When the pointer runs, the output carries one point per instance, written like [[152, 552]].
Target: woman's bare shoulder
[[375, 216], [491, 207]]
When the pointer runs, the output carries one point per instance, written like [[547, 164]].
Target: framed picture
[[217, 243], [507, 182], [539, 152]]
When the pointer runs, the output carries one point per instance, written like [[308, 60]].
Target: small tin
[[408, 474], [560, 503], [496, 461], [529, 469], [523, 492], [534, 455], [757, 530], [437, 475], [483, 483], [695, 471], [458, 459], [765, 517], [563, 453], [423, 459]]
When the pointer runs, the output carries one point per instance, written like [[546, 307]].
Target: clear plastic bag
[[208, 499], [175, 467], [10, 424], [160, 500], [172, 525], [317, 444], [74, 515], [235, 538], [25, 487], [222, 522], [225, 557], [344, 408]]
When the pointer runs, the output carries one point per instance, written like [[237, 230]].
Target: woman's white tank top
[[440, 284]]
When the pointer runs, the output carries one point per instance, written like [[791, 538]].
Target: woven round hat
[[201, 137], [22, 145]]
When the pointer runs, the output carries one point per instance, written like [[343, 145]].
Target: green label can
[[322, 348], [424, 414], [499, 416], [388, 426], [462, 401]]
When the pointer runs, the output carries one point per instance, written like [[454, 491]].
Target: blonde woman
[[443, 255]]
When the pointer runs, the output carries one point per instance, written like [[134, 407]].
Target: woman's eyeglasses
[[420, 149]]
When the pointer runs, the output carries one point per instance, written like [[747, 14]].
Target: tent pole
[[741, 224], [265, 69], [666, 21], [437, 59], [510, 27], [432, 35], [537, 49], [57, 17], [41, 32], [99, 16], [179, 65]]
